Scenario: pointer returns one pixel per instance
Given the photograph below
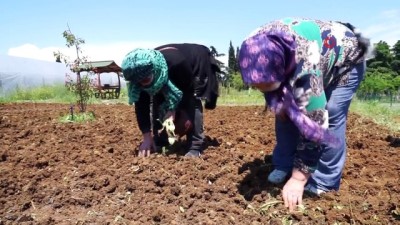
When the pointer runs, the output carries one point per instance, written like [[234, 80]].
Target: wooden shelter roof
[[101, 67]]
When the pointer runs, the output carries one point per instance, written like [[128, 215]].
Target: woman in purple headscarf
[[309, 71]]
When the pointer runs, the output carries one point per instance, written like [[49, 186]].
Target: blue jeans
[[332, 160]]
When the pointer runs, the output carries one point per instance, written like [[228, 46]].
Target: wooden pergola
[[100, 67]]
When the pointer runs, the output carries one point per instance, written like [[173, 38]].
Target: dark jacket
[[192, 69]]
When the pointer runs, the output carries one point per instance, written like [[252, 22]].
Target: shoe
[[277, 176], [193, 153], [313, 190]]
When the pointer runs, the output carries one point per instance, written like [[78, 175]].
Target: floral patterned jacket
[[325, 53]]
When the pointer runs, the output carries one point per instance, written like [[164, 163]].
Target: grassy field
[[381, 113]]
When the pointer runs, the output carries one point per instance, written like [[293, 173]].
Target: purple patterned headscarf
[[266, 58]]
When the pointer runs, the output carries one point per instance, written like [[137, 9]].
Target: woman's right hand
[[147, 146]]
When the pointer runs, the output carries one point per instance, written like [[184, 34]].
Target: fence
[[391, 98]]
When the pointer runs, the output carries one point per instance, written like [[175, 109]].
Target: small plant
[[366, 206], [338, 207], [287, 220], [164, 150], [318, 209], [337, 223], [169, 127], [264, 208], [396, 212], [302, 209], [77, 117]]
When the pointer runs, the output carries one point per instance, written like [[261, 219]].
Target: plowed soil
[[87, 173]]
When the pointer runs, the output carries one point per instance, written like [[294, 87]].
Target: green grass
[[56, 93], [381, 113], [234, 97], [48, 94], [78, 117]]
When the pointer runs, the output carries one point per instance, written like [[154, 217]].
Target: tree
[[395, 67], [83, 86], [237, 82], [237, 68], [231, 58], [214, 52], [395, 64], [223, 75], [396, 50], [383, 56], [57, 55]]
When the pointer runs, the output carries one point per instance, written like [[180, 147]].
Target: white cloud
[[386, 27], [32, 51], [394, 13], [110, 51]]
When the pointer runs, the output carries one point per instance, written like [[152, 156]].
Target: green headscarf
[[141, 63]]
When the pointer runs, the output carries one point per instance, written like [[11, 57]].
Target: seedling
[[396, 212], [366, 206], [287, 220], [164, 150], [318, 209], [302, 209], [169, 127], [266, 206], [338, 207], [77, 117]]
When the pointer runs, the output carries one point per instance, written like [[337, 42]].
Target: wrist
[[146, 135], [300, 175]]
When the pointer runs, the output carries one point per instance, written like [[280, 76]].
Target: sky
[[111, 29]]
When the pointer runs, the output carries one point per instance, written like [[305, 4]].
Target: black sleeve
[[142, 111]]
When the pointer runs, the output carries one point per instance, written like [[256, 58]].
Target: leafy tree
[[378, 81], [231, 58], [214, 52], [376, 64], [82, 87], [237, 82], [396, 67], [383, 56], [395, 64], [221, 76], [237, 68], [57, 55], [396, 50]]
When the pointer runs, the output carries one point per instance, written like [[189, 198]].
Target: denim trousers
[[332, 160]]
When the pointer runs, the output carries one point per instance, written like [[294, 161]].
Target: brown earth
[[55, 173]]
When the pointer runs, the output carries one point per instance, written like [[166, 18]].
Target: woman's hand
[[147, 146], [292, 192]]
